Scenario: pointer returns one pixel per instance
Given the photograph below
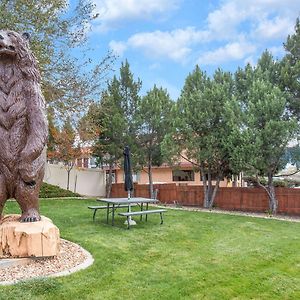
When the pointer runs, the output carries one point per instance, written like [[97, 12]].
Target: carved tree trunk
[[36, 239]]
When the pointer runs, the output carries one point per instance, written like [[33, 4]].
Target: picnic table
[[112, 204]]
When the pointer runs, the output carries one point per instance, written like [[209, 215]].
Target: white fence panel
[[87, 182]]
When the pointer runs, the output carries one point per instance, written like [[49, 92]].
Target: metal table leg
[[113, 215], [147, 209], [161, 219], [141, 217], [128, 222], [107, 213], [95, 210]]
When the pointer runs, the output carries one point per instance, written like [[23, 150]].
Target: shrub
[[53, 191], [280, 183]]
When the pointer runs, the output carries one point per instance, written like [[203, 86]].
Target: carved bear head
[[14, 49], [12, 43]]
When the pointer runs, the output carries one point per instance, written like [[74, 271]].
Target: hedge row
[[53, 191]]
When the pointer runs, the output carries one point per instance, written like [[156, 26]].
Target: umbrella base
[[131, 222]]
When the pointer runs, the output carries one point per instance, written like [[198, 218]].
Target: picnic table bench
[[96, 207], [143, 212]]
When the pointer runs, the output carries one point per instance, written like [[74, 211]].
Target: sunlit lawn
[[193, 255]]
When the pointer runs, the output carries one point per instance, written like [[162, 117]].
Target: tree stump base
[[36, 239]]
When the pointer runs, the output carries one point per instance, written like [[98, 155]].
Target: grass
[[191, 256]]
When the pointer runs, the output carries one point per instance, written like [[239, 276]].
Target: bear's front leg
[[27, 195], [3, 194]]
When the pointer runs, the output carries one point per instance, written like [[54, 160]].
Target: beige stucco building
[[183, 174]]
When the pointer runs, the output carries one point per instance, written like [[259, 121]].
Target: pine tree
[[116, 119], [290, 72], [202, 127], [266, 126], [154, 119]]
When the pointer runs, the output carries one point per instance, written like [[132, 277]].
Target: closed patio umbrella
[[127, 171], [128, 182]]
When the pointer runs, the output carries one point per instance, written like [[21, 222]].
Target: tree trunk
[[205, 199], [150, 177], [214, 194], [109, 181], [234, 182], [208, 191], [68, 179], [273, 204], [69, 166]]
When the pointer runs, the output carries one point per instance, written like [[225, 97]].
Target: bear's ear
[[26, 36]]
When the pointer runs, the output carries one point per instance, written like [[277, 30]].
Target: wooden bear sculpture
[[23, 125]]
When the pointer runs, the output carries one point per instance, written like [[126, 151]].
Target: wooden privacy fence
[[229, 198]]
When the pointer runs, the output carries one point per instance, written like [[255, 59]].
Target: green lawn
[[192, 255]]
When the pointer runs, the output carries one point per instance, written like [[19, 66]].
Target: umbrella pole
[[130, 221]]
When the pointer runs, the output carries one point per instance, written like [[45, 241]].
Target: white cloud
[[117, 47], [113, 11], [175, 45], [222, 22], [243, 25], [269, 18], [275, 28], [230, 52]]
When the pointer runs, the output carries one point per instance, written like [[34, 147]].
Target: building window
[[79, 162], [213, 177], [135, 176], [183, 175], [93, 162], [85, 162], [113, 175]]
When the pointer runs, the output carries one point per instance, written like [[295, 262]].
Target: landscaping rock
[[71, 258], [35, 239]]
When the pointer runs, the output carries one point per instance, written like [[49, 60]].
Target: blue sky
[[163, 40]]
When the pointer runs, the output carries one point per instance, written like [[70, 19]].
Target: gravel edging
[[234, 213], [72, 258]]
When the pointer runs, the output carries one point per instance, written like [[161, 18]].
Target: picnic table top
[[126, 200]]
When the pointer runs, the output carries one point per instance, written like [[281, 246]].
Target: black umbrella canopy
[[127, 170]]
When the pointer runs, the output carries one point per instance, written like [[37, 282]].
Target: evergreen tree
[[202, 129], [116, 120], [266, 126], [290, 72], [111, 124], [129, 96], [154, 119]]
